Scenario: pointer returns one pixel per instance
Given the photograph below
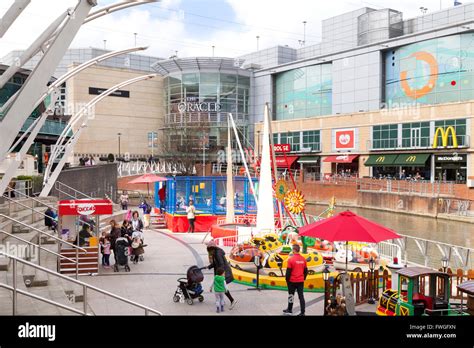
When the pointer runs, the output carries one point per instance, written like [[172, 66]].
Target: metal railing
[[37, 246], [421, 187], [429, 253], [389, 250], [85, 288], [32, 198], [40, 233], [142, 167], [77, 194]]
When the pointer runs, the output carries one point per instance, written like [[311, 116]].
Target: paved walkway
[[153, 282]]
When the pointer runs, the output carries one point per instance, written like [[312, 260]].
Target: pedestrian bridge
[[132, 168]]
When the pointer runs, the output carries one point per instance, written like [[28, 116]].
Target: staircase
[[33, 280], [157, 220]]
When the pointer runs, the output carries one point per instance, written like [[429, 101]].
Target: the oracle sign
[[198, 107], [86, 209], [344, 139]]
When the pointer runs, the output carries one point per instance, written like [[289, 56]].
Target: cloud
[[168, 27]]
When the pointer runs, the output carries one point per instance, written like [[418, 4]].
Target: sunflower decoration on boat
[[295, 202], [281, 188]]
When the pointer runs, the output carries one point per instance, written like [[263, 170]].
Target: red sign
[[345, 139], [281, 147], [285, 162], [85, 207]]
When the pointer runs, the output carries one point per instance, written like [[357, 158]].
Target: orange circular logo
[[420, 92]]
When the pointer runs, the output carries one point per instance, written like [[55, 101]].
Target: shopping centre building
[[379, 96]]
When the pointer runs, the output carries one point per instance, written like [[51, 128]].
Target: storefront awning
[[414, 159], [285, 162], [309, 159], [341, 159], [380, 160]]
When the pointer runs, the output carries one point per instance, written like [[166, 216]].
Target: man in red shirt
[[296, 273], [162, 196]]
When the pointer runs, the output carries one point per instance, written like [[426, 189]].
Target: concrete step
[[4, 264]]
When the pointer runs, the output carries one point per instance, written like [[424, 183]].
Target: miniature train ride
[[418, 291]]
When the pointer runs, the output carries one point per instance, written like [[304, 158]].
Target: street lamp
[[119, 134], [326, 273], [371, 281], [445, 263]]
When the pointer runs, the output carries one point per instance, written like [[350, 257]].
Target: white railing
[[389, 250], [140, 168]]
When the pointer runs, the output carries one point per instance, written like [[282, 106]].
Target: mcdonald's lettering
[[411, 159], [445, 137], [380, 159]]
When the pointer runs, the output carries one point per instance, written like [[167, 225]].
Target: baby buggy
[[121, 254], [190, 288]]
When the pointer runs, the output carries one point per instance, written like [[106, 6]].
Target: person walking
[[162, 195], [218, 260], [137, 223], [146, 212], [191, 214], [124, 200], [219, 286], [296, 273], [115, 233], [50, 219]]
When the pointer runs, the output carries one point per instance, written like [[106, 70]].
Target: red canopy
[[347, 226], [147, 179], [341, 159]]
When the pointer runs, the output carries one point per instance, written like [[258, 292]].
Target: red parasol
[[347, 226], [148, 179]]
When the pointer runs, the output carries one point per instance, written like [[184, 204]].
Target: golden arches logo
[[411, 159], [445, 137], [420, 92], [380, 159]]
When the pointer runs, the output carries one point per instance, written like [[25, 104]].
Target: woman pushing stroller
[[218, 261]]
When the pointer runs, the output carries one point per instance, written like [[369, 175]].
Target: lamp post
[[445, 263], [119, 134], [372, 286], [326, 273]]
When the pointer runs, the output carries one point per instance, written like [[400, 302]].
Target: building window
[[459, 128], [311, 140], [385, 137], [292, 138], [416, 135], [304, 92]]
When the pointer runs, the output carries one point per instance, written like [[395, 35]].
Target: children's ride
[[417, 291]]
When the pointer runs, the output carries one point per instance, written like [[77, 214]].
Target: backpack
[[148, 208]]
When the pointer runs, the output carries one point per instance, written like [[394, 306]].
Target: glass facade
[[197, 104], [303, 92], [385, 137], [416, 134], [221, 93], [300, 141], [431, 72]]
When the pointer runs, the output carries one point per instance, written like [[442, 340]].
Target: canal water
[[451, 232]]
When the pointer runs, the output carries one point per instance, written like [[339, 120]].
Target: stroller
[[121, 254], [190, 288]]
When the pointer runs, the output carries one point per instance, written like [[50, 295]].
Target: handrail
[[30, 197], [75, 281], [57, 183], [39, 298], [42, 232], [36, 211], [38, 246]]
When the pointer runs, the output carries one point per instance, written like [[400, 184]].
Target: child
[[106, 257], [101, 243], [219, 289]]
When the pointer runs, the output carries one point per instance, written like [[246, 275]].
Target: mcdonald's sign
[[380, 159], [411, 159], [445, 137]]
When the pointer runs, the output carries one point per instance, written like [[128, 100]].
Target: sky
[[192, 27]]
